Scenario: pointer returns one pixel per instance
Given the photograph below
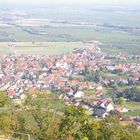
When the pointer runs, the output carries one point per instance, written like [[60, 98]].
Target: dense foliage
[[131, 94], [36, 118]]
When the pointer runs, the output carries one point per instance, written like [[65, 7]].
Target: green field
[[53, 48], [114, 76], [117, 28], [112, 40], [134, 108], [4, 50], [133, 113]]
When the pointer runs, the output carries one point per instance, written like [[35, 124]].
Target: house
[[99, 87], [98, 94], [70, 93], [137, 120], [122, 109], [88, 107], [75, 102], [108, 105], [100, 112], [79, 94], [10, 93]]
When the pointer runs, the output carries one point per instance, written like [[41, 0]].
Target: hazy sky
[[118, 2]]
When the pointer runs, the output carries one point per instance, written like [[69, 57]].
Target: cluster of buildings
[[20, 74]]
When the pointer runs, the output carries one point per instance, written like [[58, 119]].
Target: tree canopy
[[36, 118]]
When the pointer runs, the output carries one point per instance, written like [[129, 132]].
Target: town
[[84, 78]]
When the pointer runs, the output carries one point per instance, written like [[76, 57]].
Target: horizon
[[73, 2]]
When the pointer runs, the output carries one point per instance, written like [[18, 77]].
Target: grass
[[53, 48], [114, 76], [134, 107], [76, 76], [4, 50], [126, 61], [121, 42], [133, 113]]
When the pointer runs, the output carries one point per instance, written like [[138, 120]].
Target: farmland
[[45, 48], [117, 28], [112, 42]]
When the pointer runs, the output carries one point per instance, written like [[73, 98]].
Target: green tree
[[4, 99], [76, 125], [34, 119]]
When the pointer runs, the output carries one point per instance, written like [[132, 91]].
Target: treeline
[[36, 118], [131, 94]]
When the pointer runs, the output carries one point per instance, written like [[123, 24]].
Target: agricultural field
[[48, 48], [117, 28], [112, 41], [5, 50]]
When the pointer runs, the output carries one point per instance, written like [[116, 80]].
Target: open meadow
[[112, 40], [42, 48]]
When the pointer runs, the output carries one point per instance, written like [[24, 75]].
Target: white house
[[109, 107], [79, 94], [124, 110], [99, 87]]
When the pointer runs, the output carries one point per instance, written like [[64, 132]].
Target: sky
[[115, 2]]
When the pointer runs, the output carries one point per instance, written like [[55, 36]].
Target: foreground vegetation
[[37, 118]]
